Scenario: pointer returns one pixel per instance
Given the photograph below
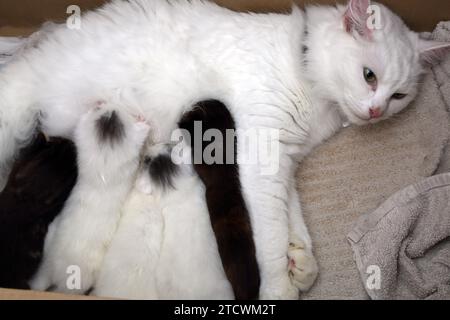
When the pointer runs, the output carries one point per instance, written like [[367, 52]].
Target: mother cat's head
[[364, 58]]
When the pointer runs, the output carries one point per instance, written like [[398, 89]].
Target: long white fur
[[9, 46], [13, 47], [80, 235], [164, 247], [159, 57]]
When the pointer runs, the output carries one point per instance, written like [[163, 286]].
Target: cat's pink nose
[[375, 113]]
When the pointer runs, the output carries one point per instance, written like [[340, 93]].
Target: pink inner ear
[[433, 52], [356, 17]]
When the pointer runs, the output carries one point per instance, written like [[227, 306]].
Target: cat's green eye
[[398, 96], [370, 76]]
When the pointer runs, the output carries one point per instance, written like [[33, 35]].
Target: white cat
[[164, 247], [155, 57], [108, 146]]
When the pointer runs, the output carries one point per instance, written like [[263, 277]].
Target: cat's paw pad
[[139, 118], [302, 266], [140, 128], [99, 104]]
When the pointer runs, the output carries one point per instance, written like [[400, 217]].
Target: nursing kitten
[[108, 145], [167, 208], [39, 184], [227, 209], [254, 63], [164, 247]]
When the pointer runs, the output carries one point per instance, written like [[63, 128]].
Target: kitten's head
[[364, 58]]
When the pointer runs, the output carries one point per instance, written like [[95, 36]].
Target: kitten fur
[[39, 184], [164, 247], [227, 209], [107, 164], [195, 50]]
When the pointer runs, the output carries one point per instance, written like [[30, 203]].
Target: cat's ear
[[356, 17], [433, 52]]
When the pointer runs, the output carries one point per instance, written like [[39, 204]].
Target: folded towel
[[402, 250]]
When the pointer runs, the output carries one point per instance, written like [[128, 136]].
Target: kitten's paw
[[99, 104], [141, 129], [40, 282], [139, 118], [302, 267]]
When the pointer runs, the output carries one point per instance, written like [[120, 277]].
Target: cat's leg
[[267, 200], [108, 143], [302, 267]]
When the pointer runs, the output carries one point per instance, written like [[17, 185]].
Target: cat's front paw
[[140, 129], [303, 268]]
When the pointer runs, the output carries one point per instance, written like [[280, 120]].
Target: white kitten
[[164, 247], [108, 145], [192, 50]]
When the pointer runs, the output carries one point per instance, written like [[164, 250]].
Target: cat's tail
[[18, 115], [13, 47], [9, 46]]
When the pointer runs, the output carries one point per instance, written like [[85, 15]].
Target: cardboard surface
[[21, 17], [8, 294]]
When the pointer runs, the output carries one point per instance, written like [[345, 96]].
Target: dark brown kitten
[[228, 213], [39, 184]]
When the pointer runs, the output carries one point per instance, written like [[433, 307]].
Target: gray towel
[[442, 75], [402, 250]]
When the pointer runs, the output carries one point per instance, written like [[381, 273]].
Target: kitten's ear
[[433, 52], [356, 17]]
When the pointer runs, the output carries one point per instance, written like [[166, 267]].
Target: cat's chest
[[288, 112], [273, 104]]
